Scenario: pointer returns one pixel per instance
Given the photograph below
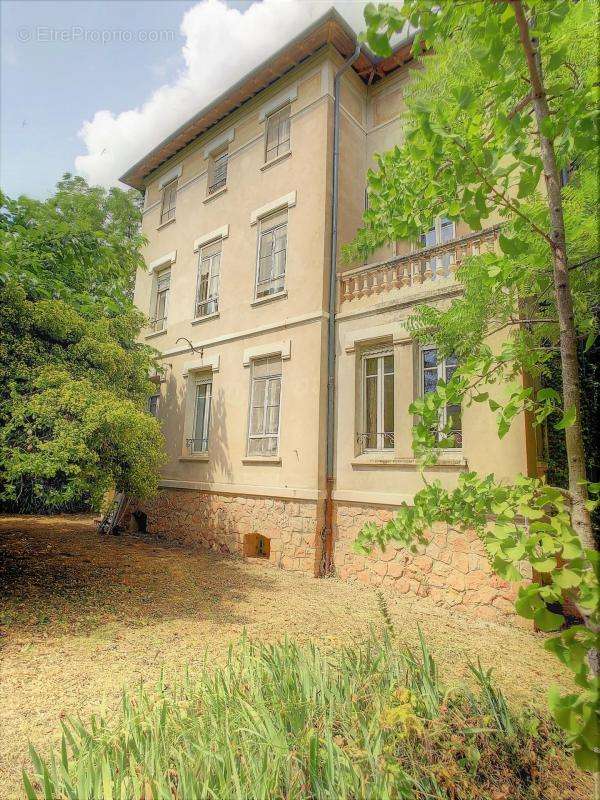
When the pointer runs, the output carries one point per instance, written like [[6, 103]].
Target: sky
[[90, 86]]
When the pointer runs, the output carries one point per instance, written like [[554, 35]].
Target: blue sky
[[70, 102]]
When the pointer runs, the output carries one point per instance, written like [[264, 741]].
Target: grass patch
[[290, 721]]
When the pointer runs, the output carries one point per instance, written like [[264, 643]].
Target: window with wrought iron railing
[[265, 400], [434, 369], [198, 442], [378, 401]]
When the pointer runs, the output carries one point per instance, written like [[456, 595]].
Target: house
[[244, 206]]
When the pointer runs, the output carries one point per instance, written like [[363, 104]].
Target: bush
[[284, 721]]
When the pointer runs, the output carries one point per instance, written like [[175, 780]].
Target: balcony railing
[[196, 446], [414, 269], [375, 441], [157, 324]]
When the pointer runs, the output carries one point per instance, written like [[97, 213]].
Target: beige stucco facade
[[225, 494]]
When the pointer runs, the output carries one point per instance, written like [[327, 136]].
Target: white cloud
[[221, 45]]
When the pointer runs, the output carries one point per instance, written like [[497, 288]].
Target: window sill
[[274, 161], [197, 457], [261, 460], [376, 460], [267, 298], [198, 320], [212, 196], [156, 334], [166, 224]]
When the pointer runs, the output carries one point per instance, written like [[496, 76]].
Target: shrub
[[285, 721]]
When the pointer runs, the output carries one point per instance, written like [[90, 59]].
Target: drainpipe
[[326, 564]]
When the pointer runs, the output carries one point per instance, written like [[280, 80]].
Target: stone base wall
[[451, 570], [221, 521]]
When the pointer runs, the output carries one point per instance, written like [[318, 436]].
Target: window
[[169, 202], [161, 300], [153, 404], [207, 288], [272, 247], [440, 233], [265, 399], [198, 443], [434, 370], [378, 402], [277, 140], [217, 171]]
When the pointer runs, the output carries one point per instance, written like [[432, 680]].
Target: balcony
[[424, 266]]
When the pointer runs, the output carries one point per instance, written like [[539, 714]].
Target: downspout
[[326, 564]]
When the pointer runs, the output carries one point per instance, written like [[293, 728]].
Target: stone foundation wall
[[451, 570], [221, 521]]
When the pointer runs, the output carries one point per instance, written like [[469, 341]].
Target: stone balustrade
[[414, 269]]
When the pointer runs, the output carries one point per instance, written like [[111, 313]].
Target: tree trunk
[[580, 516]]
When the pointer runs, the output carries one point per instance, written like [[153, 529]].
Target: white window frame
[[160, 323], [264, 228], [169, 190], [211, 302], [216, 156], [442, 372], [267, 379], [440, 265], [283, 145], [207, 381], [385, 439]]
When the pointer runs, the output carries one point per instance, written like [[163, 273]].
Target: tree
[[503, 105], [74, 382]]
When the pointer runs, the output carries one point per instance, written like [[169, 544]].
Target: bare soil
[[82, 615]]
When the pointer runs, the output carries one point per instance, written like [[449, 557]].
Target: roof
[[330, 29]]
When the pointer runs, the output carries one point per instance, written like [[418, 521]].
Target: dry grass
[[82, 615]]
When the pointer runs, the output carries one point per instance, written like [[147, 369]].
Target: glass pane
[[388, 408], [371, 407], [447, 230], [266, 244], [371, 366], [274, 389], [256, 421], [388, 365], [428, 239], [430, 357], [272, 425], [454, 417], [430, 379], [279, 264]]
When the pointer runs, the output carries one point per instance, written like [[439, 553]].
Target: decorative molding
[[170, 176], [285, 492], [287, 201], [283, 348], [218, 142], [395, 330], [204, 363], [278, 100], [218, 233], [379, 498], [288, 322], [163, 261]]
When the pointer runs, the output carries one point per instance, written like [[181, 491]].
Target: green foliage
[[471, 152], [276, 721], [82, 245], [74, 382]]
